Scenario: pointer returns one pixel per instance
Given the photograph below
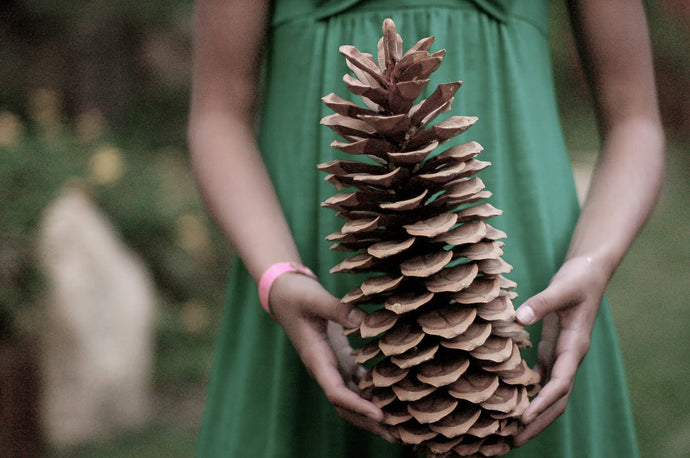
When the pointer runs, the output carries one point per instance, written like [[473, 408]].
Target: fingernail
[[355, 317], [376, 416], [525, 315], [389, 438], [527, 418]]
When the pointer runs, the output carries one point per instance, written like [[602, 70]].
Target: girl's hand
[[568, 306], [313, 320]]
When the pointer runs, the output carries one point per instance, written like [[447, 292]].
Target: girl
[[263, 190]]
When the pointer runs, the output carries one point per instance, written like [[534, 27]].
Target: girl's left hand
[[568, 306]]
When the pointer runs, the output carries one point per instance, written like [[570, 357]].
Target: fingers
[[349, 369], [308, 314], [316, 314], [312, 300], [322, 363], [567, 288], [365, 423], [345, 315], [553, 397], [546, 407], [558, 386], [341, 397], [541, 422], [568, 307], [551, 300], [547, 346]]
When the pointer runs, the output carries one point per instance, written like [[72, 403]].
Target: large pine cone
[[441, 336]]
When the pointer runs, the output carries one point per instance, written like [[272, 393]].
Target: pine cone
[[441, 336]]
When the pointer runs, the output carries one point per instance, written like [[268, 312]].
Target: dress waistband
[[533, 11]]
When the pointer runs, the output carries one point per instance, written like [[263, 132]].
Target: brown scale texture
[[442, 342]]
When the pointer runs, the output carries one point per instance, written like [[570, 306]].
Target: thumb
[[537, 307], [346, 315], [324, 305], [565, 290]]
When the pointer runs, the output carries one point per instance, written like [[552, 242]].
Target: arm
[[237, 191], [613, 42]]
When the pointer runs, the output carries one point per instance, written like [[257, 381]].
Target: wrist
[[600, 266], [271, 274]]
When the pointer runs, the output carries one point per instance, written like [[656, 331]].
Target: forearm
[[613, 41], [228, 39], [237, 191], [622, 194]]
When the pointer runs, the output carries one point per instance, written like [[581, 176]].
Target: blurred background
[[97, 203]]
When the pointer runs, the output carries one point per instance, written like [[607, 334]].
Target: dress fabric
[[261, 401]]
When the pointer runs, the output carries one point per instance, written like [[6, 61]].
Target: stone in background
[[98, 348]]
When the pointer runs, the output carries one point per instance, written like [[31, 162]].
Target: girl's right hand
[[313, 320]]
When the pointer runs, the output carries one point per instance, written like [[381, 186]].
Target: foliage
[[77, 11], [649, 300], [33, 168], [130, 60], [150, 196]]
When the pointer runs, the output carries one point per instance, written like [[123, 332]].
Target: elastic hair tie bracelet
[[275, 271]]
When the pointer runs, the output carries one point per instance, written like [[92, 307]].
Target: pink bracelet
[[275, 271]]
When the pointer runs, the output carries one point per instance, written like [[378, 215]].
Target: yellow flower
[[106, 164], [11, 129], [193, 234], [195, 317]]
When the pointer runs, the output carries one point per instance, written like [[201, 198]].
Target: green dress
[[261, 402]]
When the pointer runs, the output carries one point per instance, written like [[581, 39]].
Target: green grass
[[649, 298], [182, 363], [152, 442]]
